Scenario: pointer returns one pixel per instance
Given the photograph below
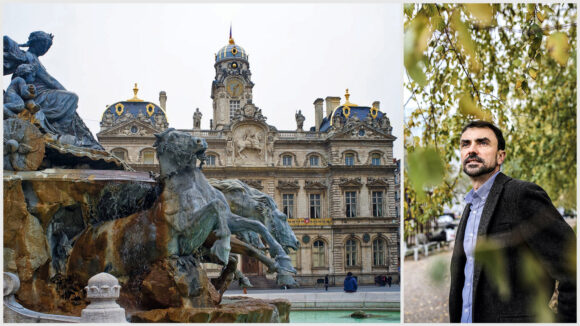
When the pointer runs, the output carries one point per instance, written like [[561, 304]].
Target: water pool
[[343, 316]]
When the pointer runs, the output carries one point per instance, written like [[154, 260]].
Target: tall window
[[377, 202], [349, 159], [350, 197], [293, 257], [318, 254], [210, 160], [350, 252], [376, 159], [314, 160], [288, 205], [234, 105], [148, 157], [314, 206], [379, 257], [287, 160]]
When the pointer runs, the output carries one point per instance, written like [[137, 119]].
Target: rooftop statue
[[57, 114]]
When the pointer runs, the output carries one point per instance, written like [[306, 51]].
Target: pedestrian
[[389, 280], [514, 220], [350, 285], [326, 282]]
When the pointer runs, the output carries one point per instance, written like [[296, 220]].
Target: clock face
[[234, 87]]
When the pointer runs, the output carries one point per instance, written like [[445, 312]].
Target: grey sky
[[297, 53]]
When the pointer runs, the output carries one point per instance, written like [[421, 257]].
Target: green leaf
[[464, 39], [533, 73], [417, 35], [482, 12], [490, 255], [558, 47], [425, 169], [469, 108]]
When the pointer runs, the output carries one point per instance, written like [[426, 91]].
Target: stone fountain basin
[[32, 199], [232, 310]]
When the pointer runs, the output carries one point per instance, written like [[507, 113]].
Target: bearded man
[[512, 245]]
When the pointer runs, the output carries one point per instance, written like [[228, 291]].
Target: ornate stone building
[[335, 181]]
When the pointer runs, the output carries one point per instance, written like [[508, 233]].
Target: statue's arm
[[26, 91], [13, 56]]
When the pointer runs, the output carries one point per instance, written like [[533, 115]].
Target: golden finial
[[231, 38], [135, 98], [347, 102]]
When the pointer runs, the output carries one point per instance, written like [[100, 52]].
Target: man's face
[[479, 152]]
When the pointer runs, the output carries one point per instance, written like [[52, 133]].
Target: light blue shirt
[[477, 200]]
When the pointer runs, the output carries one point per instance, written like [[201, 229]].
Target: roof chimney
[[332, 103], [318, 113]]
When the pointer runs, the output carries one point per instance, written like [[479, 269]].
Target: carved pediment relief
[[359, 130], [377, 182], [130, 128], [288, 185], [256, 184], [350, 182], [315, 185]]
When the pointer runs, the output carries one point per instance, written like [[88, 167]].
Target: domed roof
[[347, 110], [132, 108], [231, 51]]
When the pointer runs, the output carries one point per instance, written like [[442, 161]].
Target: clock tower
[[232, 86]]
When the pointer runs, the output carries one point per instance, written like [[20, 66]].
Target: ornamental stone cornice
[[288, 185], [315, 185], [350, 182], [377, 182]]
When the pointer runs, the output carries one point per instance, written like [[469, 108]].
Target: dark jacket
[[350, 284], [524, 245]]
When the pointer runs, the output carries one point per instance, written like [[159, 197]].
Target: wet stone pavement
[[426, 288]]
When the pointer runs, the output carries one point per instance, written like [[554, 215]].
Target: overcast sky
[[297, 53]]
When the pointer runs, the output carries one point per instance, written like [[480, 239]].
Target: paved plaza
[[426, 284]]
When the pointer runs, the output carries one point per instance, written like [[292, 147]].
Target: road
[[426, 289]]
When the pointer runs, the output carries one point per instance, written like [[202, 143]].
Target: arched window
[[376, 159], [349, 159], [210, 160], [318, 254], [287, 160], [148, 156], [314, 160], [351, 252], [120, 153], [379, 252]]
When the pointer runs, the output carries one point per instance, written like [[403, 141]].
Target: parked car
[[445, 233]]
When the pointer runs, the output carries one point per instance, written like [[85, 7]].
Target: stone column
[[103, 291]]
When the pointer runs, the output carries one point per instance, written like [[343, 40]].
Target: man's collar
[[483, 191]]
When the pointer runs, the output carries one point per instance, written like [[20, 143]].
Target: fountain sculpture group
[[72, 210]]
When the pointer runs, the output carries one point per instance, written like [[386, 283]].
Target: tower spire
[[231, 38]]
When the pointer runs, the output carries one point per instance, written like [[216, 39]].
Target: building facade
[[337, 181]]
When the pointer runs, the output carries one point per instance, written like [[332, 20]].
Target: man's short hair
[[485, 124]]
